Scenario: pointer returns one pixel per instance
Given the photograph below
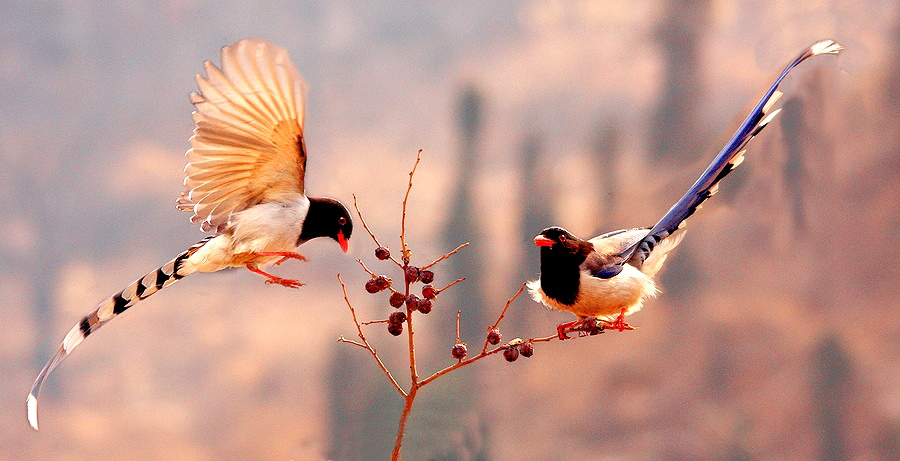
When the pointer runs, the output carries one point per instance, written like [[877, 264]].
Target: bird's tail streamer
[[108, 309], [728, 158]]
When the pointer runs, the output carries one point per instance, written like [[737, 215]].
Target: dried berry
[[429, 291], [395, 328], [397, 299], [592, 326], [426, 276], [371, 287], [397, 317], [382, 253], [411, 273], [527, 349], [412, 302], [424, 306], [459, 351], [494, 336], [382, 282], [511, 354]]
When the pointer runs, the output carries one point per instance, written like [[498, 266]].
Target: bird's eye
[[342, 220], [562, 238]]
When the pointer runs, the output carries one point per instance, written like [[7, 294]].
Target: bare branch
[[445, 256], [451, 284], [405, 249], [365, 344], [366, 227], [503, 312]]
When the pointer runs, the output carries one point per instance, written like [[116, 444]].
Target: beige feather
[[246, 147]]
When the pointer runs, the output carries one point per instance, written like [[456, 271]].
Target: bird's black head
[[563, 244], [327, 218]]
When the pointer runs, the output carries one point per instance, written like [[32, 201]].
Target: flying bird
[[606, 278], [244, 182]]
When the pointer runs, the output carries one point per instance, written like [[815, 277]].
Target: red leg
[[273, 279], [564, 328], [619, 323], [285, 255]]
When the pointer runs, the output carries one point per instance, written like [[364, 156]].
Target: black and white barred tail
[[107, 310]]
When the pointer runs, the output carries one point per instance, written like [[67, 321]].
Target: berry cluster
[[413, 303], [518, 347]]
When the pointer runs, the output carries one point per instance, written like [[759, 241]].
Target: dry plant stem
[[503, 312], [458, 314], [365, 343], [413, 372], [445, 256], [366, 227], [361, 263], [405, 248], [451, 284]]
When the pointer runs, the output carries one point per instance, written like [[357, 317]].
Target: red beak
[[542, 241], [343, 242]]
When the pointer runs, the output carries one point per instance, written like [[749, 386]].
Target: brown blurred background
[[776, 336]]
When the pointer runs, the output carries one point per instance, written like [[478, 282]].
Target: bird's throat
[[560, 277]]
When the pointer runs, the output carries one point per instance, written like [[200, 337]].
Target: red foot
[[584, 327], [285, 255], [562, 328], [619, 323], [273, 279]]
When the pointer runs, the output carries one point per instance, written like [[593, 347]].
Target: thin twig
[[451, 284], [503, 312], [342, 339], [458, 314], [372, 322], [445, 256], [361, 263], [366, 227], [405, 248], [365, 343]]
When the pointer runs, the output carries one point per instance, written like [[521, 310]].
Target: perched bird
[[608, 277], [243, 181]]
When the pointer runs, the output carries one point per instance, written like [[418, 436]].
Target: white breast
[[264, 227], [604, 298]]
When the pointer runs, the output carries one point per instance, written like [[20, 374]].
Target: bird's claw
[[584, 327], [284, 282], [619, 323]]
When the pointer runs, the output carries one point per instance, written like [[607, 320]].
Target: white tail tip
[[825, 47], [32, 411]]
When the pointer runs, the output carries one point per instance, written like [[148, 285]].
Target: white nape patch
[[73, 338], [31, 404], [105, 311]]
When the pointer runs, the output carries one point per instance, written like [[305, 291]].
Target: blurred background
[[776, 335]]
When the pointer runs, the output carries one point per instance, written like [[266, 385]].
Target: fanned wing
[[247, 146], [729, 158]]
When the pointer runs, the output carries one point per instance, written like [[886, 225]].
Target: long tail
[[729, 158], [140, 289]]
